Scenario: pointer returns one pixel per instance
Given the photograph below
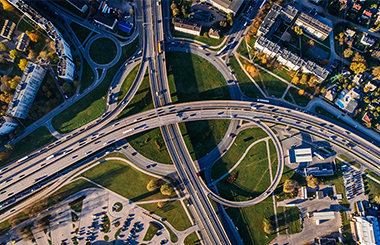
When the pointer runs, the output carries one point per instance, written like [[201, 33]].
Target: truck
[[129, 130], [49, 157]]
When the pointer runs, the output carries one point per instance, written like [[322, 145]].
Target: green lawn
[[151, 145], [192, 239], [7, 224], [38, 138], [103, 50], [337, 180], [80, 31], [348, 160], [281, 220], [117, 175], [173, 212], [93, 104], [242, 141], [246, 85], [273, 85], [207, 40], [372, 189], [150, 233], [253, 176], [77, 207], [192, 78], [26, 25], [293, 220], [87, 76], [347, 234], [288, 173], [142, 101], [127, 83], [249, 220], [372, 174], [242, 49], [298, 99], [201, 137]]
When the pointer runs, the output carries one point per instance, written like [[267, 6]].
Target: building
[[367, 230], [367, 40], [356, 7], [30, 12], [187, 27], [319, 170], [107, 20], [23, 42], [7, 124], [325, 215], [79, 4], [358, 79], [8, 29], [228, 6], [330, 93], [62, 48], [370, 86], [288, 13], [367, 118], [347, 100], [350, 33], [66, 69], [266, 46], [366, 14], [320, 72], [26, 91], [290, 60], [313, 26], [269, 20], [214, 33], [303, 155]]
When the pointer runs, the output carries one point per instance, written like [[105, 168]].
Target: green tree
[[298, 30], [357, 68], [166, 189], [14, 54]]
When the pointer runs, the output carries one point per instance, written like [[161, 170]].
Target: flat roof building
[[214, 33], [228, 6], [7, 124], [62, 48], [81, 5], [26, 91], [7, 30], [320, 72], [367, 230], [291, 60], [313, 26], [107, 20], [303, 155], [325, 215], [319, 170], [269, 20], [187, 27], [23, 42], [288, 13], [266, 46], [66, 69]]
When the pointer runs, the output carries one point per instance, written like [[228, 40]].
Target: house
[[370, 86], [26, 91], [366, 14], [290, 60], [367, 40], [187, 27], [214, 33], [7, 124], [288, 13], [358, 79], [228, 6], [313, 26], [344, 2], [109, 21], [8, 29], [347, 100], [81, 5], [269, 20], [330, 93], [66, 69], [23, 42], [371, 106], [356, 7], [350, 33], [266, 46], [367, 118]]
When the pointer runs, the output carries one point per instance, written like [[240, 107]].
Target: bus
[[159, 47], [22, 159], [263, 100]]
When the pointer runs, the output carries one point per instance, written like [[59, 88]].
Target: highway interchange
[[19, 178]]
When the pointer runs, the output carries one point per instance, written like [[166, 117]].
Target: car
[[224, 151], [134, 153], [231, 135], [148, 166]]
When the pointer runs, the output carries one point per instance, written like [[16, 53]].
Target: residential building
[[81, 5], [228, 6], [330, 93], [313, 26], [266, 46], [344, 2], [356, 7], [187, 27], [288, 13], [30, 12], [367, 118], [51, 30], [269, 20], [26, 91], [107, 20], [367, 40], [23, 42], [303, 155], [7, 124], [66, 69], [290, 60], [350, 33], [366, 14], [371, 86], [358, 79], [367, 230], [347, 100], [214, 33], [7, 30], [62, 48], [320, 72]]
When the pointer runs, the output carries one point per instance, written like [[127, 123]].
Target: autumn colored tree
[[357, 68], [6, 6], [14, 54], [290, 186], [348, 53], [376, 71], [6, 97], [33, 37], [295, 80], [166, 189], [14, 82], [298, 30], [22, 64], [301, 92], [268, 226], [312, 181], [3, 47], [152, 185]]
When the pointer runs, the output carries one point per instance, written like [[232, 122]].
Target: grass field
[[171, 211], [281, 220], [192, 78], [372, 189], [192, 239], [151, 145], [273, 85], [38, 138], [337, 180], [293, 220], [150, 233], [242, 49], [249, 220], [348, 160], [117, 175], [127, 83], [207, 40], [87, 76], [243, 140], [80, 31], [298, 99], [103, 51], [246, 85], [347, 234], [253, 176], [93, 104], [17, 219], [142, 100], [372, 174], [201, 137]]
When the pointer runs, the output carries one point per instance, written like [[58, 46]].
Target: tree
[[358, 58], [229, 16], [377, 199], [357, 68], [8, 146], [223, 23], [376, 71], [22, 64], [304, 79], [176, 12], [205, 34], [14, 54], [290, 186], [173, 6], [32, 54], [295, 80], [301, 92], [166, 189], [33, 37], [268, 226], [312, 181], [6, 6], [152, 185], [298, 30], [348, 53], [3, 47]]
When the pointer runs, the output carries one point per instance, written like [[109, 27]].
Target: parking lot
[[353, 182]]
